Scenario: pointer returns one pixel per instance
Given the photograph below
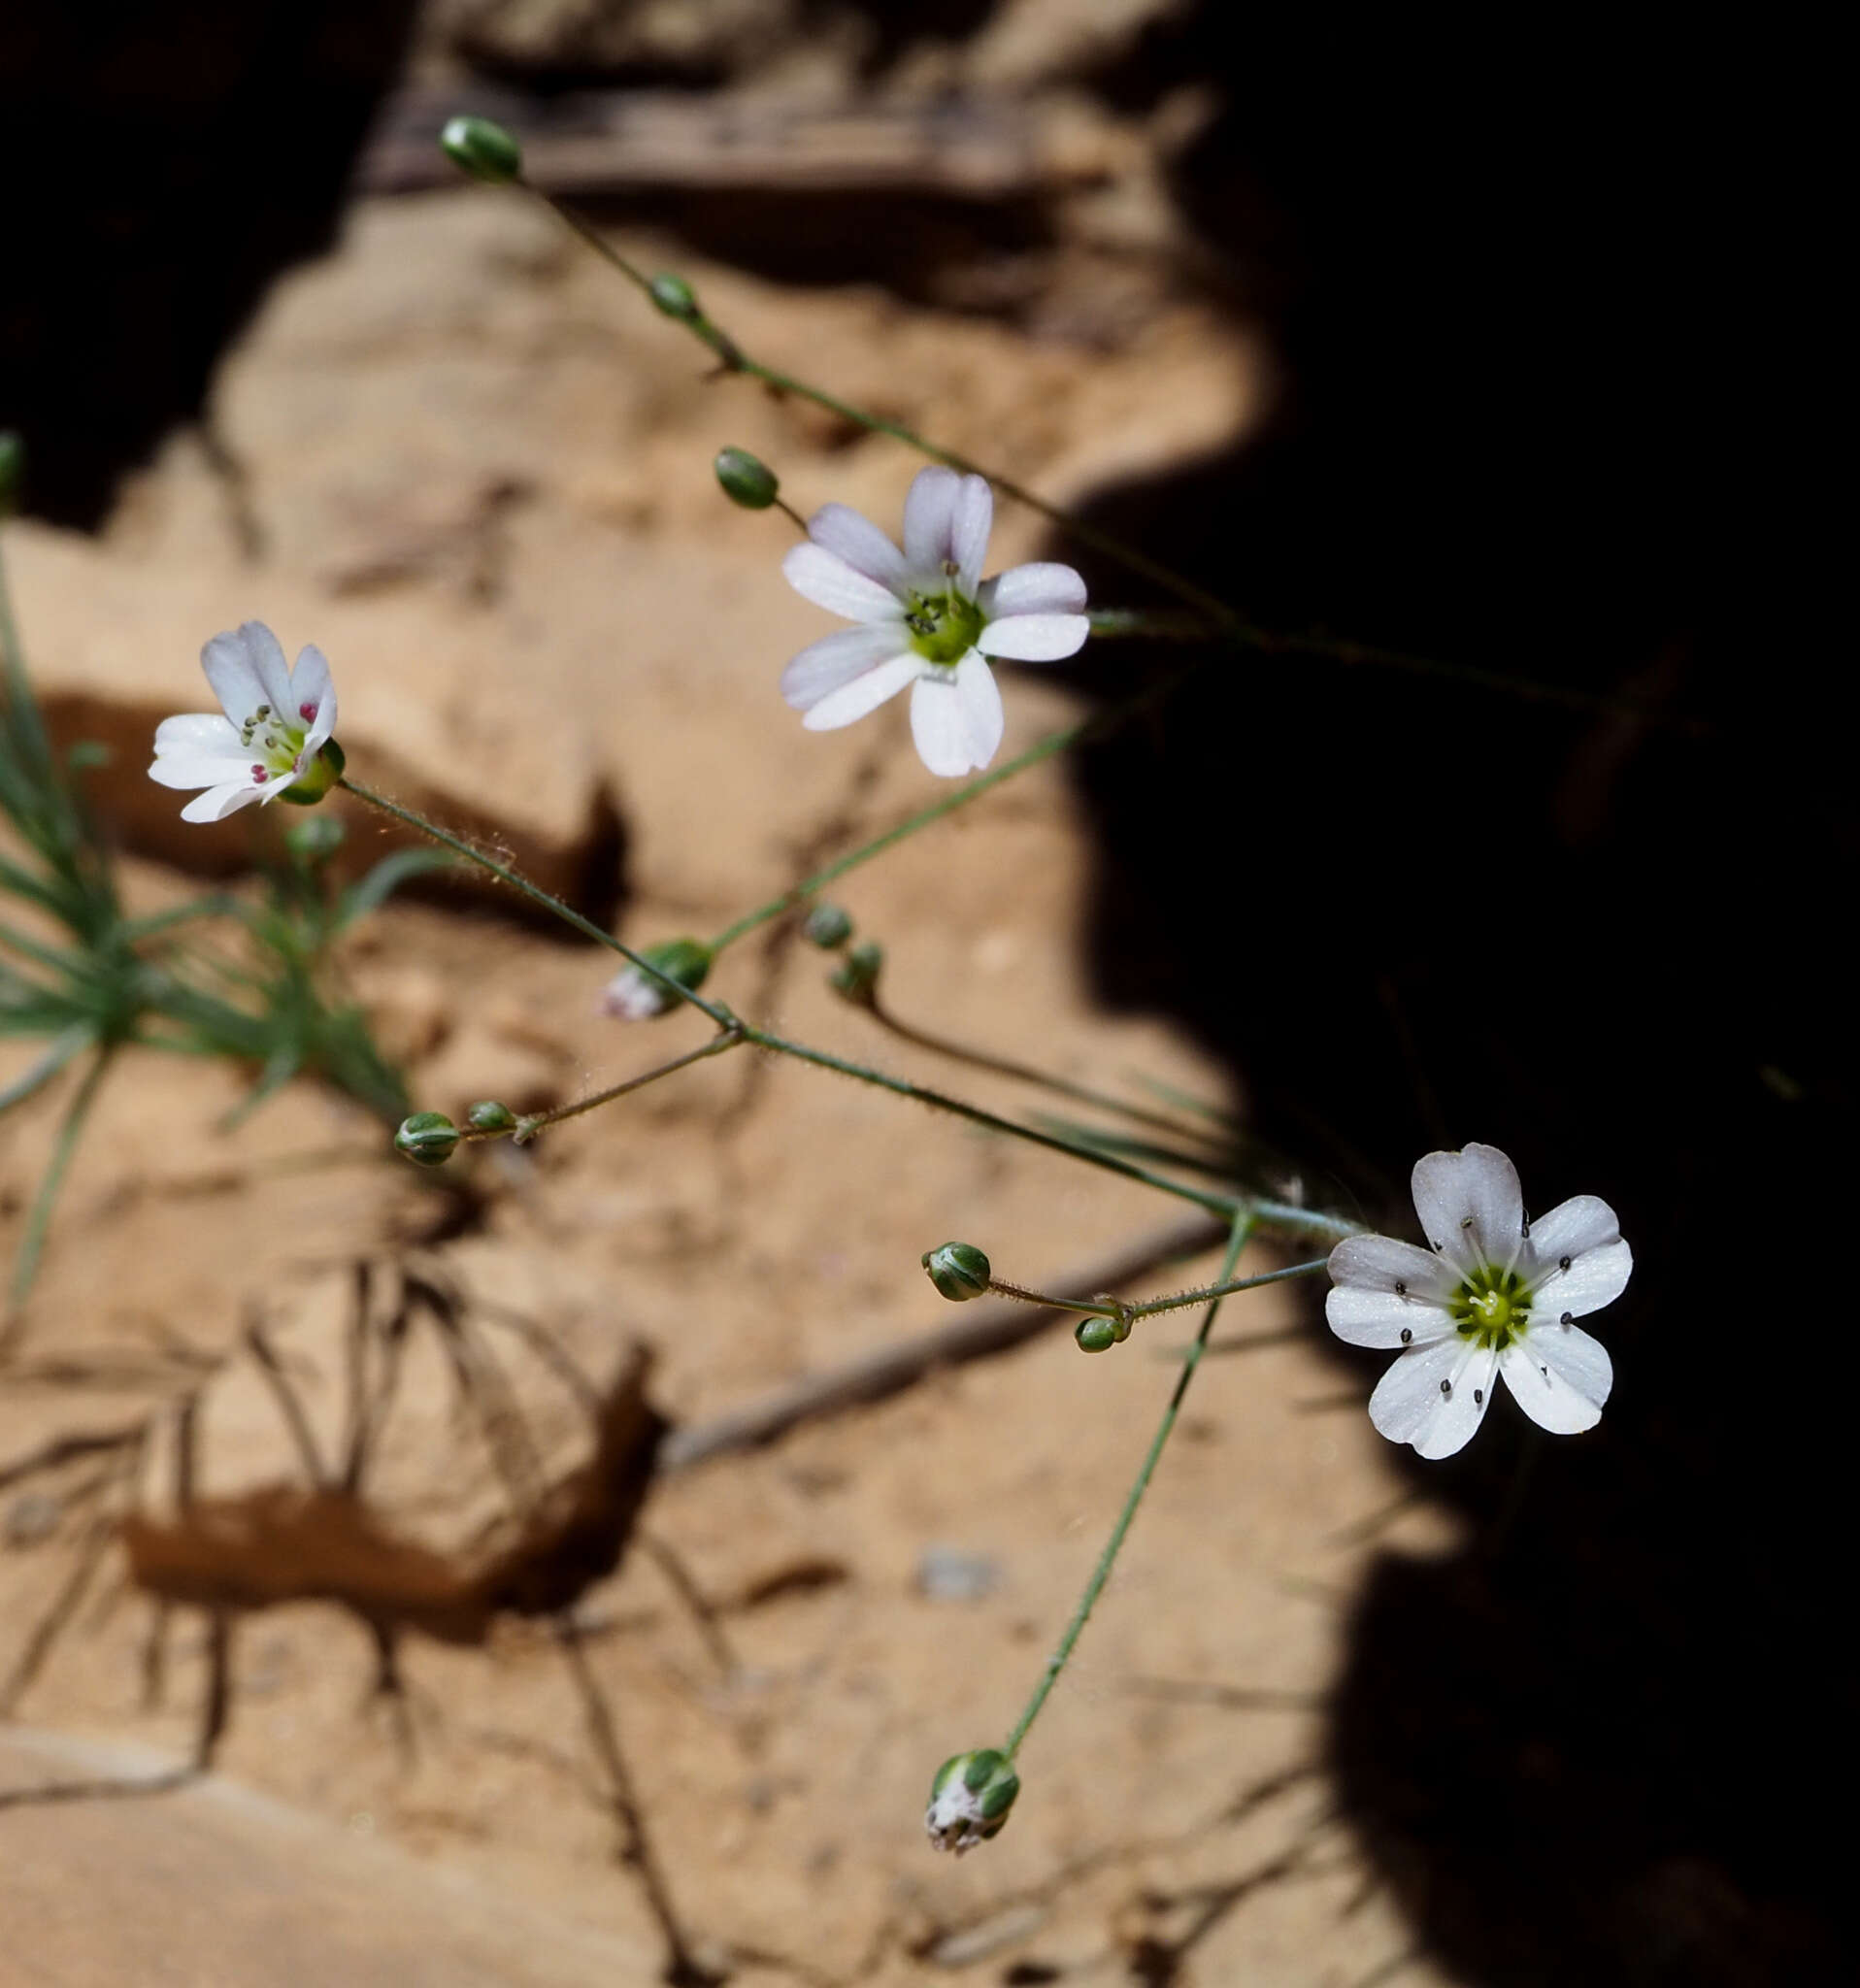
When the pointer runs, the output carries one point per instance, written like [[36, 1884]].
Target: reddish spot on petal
[[308, 713], [259, 776]]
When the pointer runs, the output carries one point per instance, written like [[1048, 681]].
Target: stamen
[[1568, 1318], [1478, 1394], [259, 776], [1562, 1263], [1408, 1333], [308, 713], [1401, 1289], [1447, 1387]]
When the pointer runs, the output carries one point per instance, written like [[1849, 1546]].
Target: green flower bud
[[314, 840], [959, 1270], [857, 979], [675, 296], [429, 1139], [317, 778], [969, 1799], [12, 469], [1096, 1335], [489, 1116], [482, 148], [828, 926], [636, 996], [746, 479]]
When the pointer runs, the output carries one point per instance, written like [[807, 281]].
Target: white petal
[[1596, 1278], [202, 770], [969, 529], [216, 803], [829, 583], [197, 730], [1434, 1396], [980, 696], [823, 666], [235, 679], [1035, 638], [1039, 588], [929, 514], [1470, 1206], [1574, 1227], [312, 686], [1367, 1308], [940, 723], [1560, 1376], [839, 529], [247, 668], [1378, 1319], [629, 996], [852, 701]]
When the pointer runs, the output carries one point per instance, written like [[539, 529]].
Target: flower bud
[[314, 840], [489, 1116], [969, 1799], [635, 996], [1096, 1335], [429, 1139], [746, 479], [959, 1270], [674, 296], [12, 469], [482, 148], [317, 778], [827, 926], [857, 979]]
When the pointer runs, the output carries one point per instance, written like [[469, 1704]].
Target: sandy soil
[[472, 470]]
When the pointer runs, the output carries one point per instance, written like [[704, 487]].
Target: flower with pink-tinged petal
[[1493, 1295], [926, 617], [277, 723]]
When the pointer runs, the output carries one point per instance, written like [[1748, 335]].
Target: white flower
[[928, 618], [277, 721], [1494, 1294]]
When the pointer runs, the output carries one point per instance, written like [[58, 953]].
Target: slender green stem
[[63, 1046], [32, 1241], [1054, 743], [1243, 1227], [518, 881], [941, 1100], [732, 358], [1125, 1313], [1022, 1072], [533, 1122]]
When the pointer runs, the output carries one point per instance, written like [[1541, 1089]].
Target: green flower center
[[942, 626], [1491, 1308], [276, 738]]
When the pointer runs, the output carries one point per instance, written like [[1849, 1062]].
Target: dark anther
[[1408, 1333], [1562, 1263], [1447, 1387], [1478, 1394], [1569, 1318], [1401, 1289]]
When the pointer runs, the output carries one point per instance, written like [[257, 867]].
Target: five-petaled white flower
[[1494, 1294], [277, 721], [928, 618]]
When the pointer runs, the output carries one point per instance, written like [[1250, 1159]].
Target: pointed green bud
[[635, 996], [1096, 1336], [970, 1800], [429, 1139], [827, 926], [489, 1116], [317, 778], [746, 479], [959, 1270], [675, 297], [482, 148], [857, 979], [12, 469]]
